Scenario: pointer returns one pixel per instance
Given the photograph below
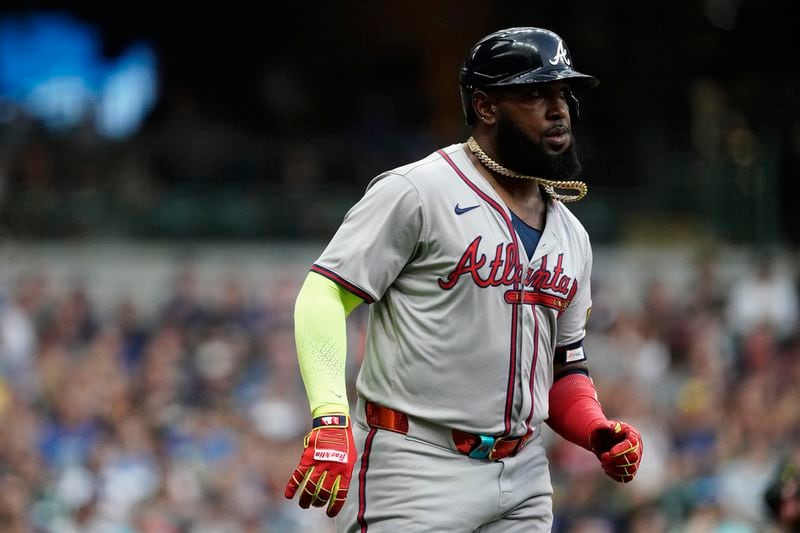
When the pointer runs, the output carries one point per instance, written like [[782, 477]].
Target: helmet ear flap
[[466, 105], [574, 106]]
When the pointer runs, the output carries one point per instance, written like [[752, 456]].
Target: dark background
[[301, 104]]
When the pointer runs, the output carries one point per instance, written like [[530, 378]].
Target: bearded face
[[517, 151]]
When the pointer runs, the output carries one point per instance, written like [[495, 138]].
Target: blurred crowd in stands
[[192, 172], [192, 419]]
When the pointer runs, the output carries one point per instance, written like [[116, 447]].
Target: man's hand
[[323, 475], [619, 448]]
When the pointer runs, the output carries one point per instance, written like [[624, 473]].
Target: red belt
[[475, 446]]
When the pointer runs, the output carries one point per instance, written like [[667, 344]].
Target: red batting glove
[[323, 475], [619, 448]]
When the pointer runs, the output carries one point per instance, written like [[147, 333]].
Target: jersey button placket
[[526, 318]]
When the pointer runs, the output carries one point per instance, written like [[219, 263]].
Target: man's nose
[[557, 107]]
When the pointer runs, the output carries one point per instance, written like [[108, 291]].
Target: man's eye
[[535, 94]]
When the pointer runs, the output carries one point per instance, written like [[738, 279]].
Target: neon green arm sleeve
[[320, 335]]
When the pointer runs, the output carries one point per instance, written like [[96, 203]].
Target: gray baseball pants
[[419, 482]]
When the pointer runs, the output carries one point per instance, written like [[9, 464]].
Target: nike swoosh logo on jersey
[[462, 210]]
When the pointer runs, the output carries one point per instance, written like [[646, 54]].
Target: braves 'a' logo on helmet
[[561, 55]]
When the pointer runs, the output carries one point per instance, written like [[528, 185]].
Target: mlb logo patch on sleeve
[[575, 354]]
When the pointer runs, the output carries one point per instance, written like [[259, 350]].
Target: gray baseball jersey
[[463, 327]]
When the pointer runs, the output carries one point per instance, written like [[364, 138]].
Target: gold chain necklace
[[548, 185]]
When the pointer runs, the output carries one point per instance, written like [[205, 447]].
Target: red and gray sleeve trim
[[351, 287]]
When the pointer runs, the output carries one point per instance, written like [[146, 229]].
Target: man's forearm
[[574, 409], [321, 339]]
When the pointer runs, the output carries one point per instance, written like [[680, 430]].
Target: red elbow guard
[[574, 409]]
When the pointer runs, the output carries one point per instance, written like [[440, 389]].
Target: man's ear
[[484, 107]]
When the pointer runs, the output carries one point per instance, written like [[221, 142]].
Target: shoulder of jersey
[[422, 173], [416, 166], [570, 220]]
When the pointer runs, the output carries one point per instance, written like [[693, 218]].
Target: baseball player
[[477, 277]]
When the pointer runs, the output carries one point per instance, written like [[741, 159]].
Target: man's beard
[[517, 152]]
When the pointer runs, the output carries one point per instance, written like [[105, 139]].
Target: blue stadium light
[[52, 67]]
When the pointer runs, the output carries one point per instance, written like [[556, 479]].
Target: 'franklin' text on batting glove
[[323, 475]]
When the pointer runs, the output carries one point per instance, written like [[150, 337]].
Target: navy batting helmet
[[518, 56]]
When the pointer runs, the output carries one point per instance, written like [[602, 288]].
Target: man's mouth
[[558, 136]]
